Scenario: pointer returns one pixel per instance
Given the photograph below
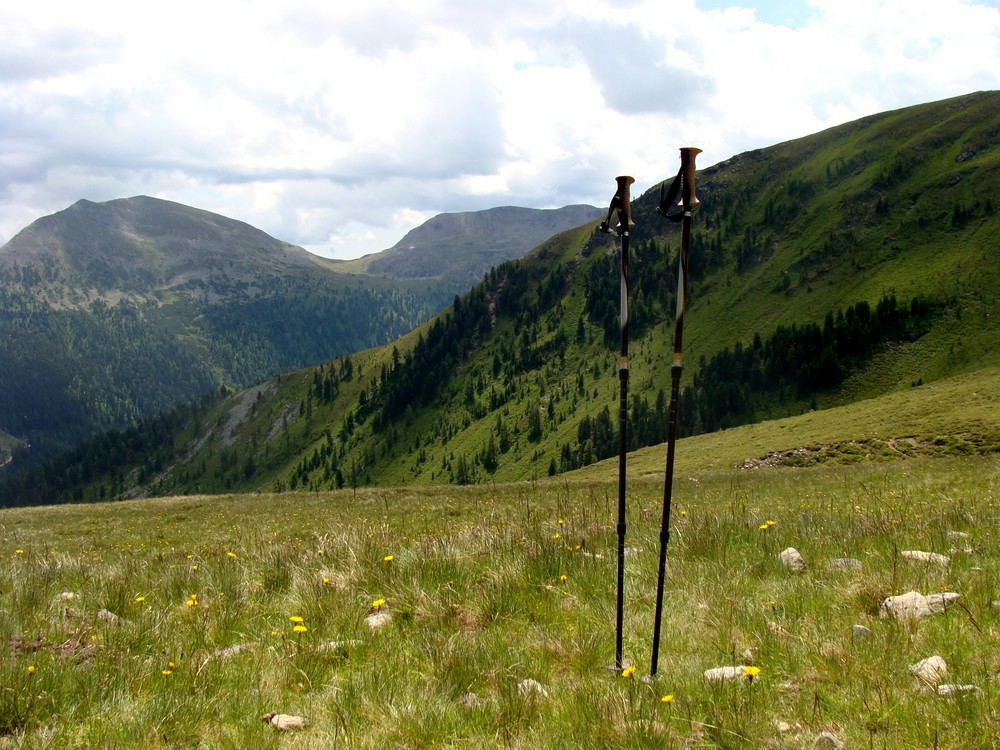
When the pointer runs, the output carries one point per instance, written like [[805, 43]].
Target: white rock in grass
[[67, 596], [724, 674], [921, 556], [955, 690], [860, 631], [825, 739], [283, 722], [933, 670], [529, 687], [377, 620], [916, 605], [791, 558]]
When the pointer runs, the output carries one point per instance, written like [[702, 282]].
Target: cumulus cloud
[[340, 126]]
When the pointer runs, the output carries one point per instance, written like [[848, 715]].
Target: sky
[[340, 126]]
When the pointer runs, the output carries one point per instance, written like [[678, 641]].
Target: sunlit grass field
[[182, 622]]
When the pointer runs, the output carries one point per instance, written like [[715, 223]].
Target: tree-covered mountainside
[[111, 312], [836, 267]]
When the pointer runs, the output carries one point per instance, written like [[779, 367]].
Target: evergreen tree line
[[730, 388]]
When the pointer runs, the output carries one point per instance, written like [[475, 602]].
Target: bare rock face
[[791, 558]]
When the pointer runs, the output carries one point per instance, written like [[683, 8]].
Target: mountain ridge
[[825, 270]]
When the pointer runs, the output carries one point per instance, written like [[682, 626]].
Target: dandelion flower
[[140, 599], [556, 536], [771, 523], [377, 604], [763, 527], [230, 554], [561, 522], [31, 669], [300, 629], [19, 552], [166, 672], [388, 558], [669, 698], [751, 672], [563, 578], [296, 619], [628, 672]]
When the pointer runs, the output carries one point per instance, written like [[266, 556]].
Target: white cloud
[[340, 126]]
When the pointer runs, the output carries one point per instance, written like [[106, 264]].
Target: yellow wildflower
[[669, 698], [19, 552], [140, 599], [388, 558], [751, 672], [230, 554], [378, 603], [628, 672], [31, 669], [300, 629], [166, 672], [563, 578], [296, 619]]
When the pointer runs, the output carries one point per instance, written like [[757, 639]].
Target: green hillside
[[857, 262]]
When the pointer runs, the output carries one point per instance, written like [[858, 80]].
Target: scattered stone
[[933, 670], [725, 674], [916, 605], [282, 722], [846, 563], [956, 535], [929, 557], [949, 691], [67, 595], [791, 558], [377, 620], [529, 687], [749, 655], [783, 727], [860, 631], [825, 739], [108, 616]]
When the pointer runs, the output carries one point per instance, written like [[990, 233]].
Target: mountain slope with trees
[[836, 267]]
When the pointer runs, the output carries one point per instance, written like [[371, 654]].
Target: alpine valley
[[857, 263], [112, 312]]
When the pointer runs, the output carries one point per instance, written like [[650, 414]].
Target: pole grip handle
[[624, 202], [688, 198]]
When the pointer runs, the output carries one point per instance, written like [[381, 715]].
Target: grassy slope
[[848, 214], [479, 603]]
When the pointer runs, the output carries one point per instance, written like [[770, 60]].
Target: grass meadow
[[181, 622]]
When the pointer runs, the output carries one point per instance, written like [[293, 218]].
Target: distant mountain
[[462, 247], [837, 267], [111, 311]]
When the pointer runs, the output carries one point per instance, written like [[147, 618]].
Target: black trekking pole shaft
[[621, 203], [688, 202]]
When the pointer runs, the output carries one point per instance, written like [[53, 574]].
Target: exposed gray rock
[[283, 722], [108, 616], [913, 604], [929, 557], [377, 620], [791, 558], [933, 670], [860, 631], [725, 674]]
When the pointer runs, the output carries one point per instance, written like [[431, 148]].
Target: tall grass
[[166, 623]]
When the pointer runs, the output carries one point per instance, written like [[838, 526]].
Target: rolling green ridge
[[856, 263]]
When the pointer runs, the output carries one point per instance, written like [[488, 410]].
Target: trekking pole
[[683, 183], [621, 203]]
